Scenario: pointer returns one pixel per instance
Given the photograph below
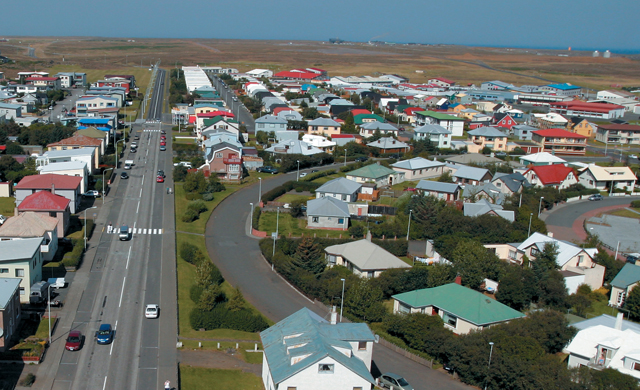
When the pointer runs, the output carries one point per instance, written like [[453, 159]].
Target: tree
[[309, 256], [211, 296], [632, 302], [580, 303], [179, 173], [195, 182], [468, 259], [204, 271], [440, 274], [364, 301], [262, 137], [445, 177], [236, 302], [14, 148], [512, 291], [296, 208]]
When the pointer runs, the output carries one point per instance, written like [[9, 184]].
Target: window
[[291, 388], [636, 367], [19, 272], [4, 270], [325, 368], [362, 345], [344, 197], [340, 221], [357, 388], [21, 290], [218, 155], [449, 319], [314, 219]]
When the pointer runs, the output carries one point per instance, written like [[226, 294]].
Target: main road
[[126, 275], [238, 256]]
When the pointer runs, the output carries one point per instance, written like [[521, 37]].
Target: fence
[[392, 193], [384, 210]]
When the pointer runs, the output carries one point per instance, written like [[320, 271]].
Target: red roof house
[[588, 110], [63, 185], [560, 141], [44, 202], [358, 111], [556, 176], [297, 75]]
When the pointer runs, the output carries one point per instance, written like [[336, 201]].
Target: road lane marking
[[144, 231], [104, 385], [122, 291], [142, 181], [138, 208], [140, 193], [128, 257]]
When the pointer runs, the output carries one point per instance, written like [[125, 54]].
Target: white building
[[259, 73], [438, 135], [603, 178]]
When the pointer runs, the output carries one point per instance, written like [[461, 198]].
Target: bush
[[195, 292], [208, 197], [635, 204], [193, 196], [189, 253], [198, 206], [256, 217], [179, 173], [73, 258], [189, 216], [357, 231], [221, 318], [28, 380]]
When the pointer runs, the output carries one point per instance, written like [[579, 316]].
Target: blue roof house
[[304, 351]]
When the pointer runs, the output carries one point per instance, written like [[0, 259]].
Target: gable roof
[[440, 116], [628, 275], [306, 335], [46, 181], [366, 255], [44, 201], [475, 158], [19, 249], [542, 157], [487, 131], [387, 143], [513, 181], [323, 122], [359, 119], [551, 174], [327, 206], [339, 185], [28, 224], [558, 133], [566, 250], [610, 173], [436, 186], [8, 287], [483, 207], [417, 163], [462, 302], [378, 126], [372, 171], [91, 132], [473, 173]]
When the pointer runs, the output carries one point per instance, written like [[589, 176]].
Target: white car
[[152, 311], [303, 174], [633, 156]]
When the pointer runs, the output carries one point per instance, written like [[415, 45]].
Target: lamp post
[[540, 206], [103, 194], [342, 300], [49, 304], [85, 225], [489, 365], [251, 221], [617, 247], [260, 192], [409, 224], [116, 145], [298, 175], [275, 237], [529, 231]]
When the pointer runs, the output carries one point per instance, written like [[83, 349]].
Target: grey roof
[[339, 185], [473, 173], [327, 207], [606, 320], [271, 119], [513, 181], [488, 188], [436, 186], [62, 166], [484, 206], [486, 131], [84, 151], [340, 102], [388, 143], [19, 249], [475, 158], [417, 163], [378, 126], [366, 255], [323, 122], [306, 335], [10, 106], [432, 129], [294, 147], [210, 150], [8, 287]]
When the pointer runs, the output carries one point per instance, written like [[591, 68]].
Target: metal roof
[[366, 255], [327, 207], [436, 186], [339, 185], [8, 287], [417, 163], [19, 249], [432, 129], [628, 275]]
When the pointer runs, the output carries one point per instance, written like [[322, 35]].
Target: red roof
[[3, 147], [41, 78], [412, 110], [444, 80], [215, 113], [343, 136], [46, 181], [44, 201], [557, 133], [551, 174], [77, 140], [192, 119], [622, 127], [278, 110], [583, 106], [359, 111], [297, 75]]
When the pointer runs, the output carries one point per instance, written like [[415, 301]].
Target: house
[[452, 123], [10, 310], [503, 120], [48, 204], [78, 141], [376, 173], [462, 309], [223, 159], [441, 82], [523, 132], [85, 154], [323, 126], [588, 110], [260, 73], [293, 147], [44, 83], [548, 121], [564, 89], [305, 351], [489, 137], [371, 128], [419, 168], [339, 188], [389, 145], [483, 207], [33, 225], [319, 142], [103, 124], [68, 168], [65, 186], [343, 139], [22, 259], [560, 141], [471, 175], [118, 82], [438, 135], [510, 183], [220, 123], [10, 111], [617, 134], [288, 114], [94, 133], [446, 191], [496, 85], [556, 176], [483, 191], [606, 178], [200, 118], [574, 262], [625, 281], [473, 158], [608, 321], [599, 347], [582, 126], [363, 258], [89, 105], [327, 213], [542, 158]]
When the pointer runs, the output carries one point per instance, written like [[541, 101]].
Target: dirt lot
[[462, 64]]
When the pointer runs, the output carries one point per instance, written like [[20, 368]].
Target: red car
[[163, 137], [162, 143], [159, 179], [74, 341]]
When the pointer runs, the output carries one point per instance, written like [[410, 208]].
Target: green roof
[[372, 171], [358, 119], [628, 275], [216, 119], [439, 116], [462, 302]]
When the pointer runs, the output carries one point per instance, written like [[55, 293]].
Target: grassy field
[[288, 198], [199, 224], [294, 226], [625, 213], [198, 378], [186, 141], [7, 206]]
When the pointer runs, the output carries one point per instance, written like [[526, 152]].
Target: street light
[[617, 247], [108, 169], [251, 222], [116, 145], [409, 224], [260, 191], [275, 237], [540, 206], [85, 225], [49, 304], [489, 365], [298, 176], [342, 300], [529, 231]]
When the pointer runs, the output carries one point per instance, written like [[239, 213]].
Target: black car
[[161, 173], [270, 170], [361, 159], [124, 175]]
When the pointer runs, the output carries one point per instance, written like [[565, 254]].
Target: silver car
[[393, 382]]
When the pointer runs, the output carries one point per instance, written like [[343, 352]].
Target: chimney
[[619, 319], [458, 280], [334, 315], [550, 234]]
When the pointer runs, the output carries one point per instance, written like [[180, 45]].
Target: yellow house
[[582, 126], [324, 126], [456, 108], [487, 137], [204, 108]]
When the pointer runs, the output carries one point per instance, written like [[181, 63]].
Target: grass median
[[198, 378]]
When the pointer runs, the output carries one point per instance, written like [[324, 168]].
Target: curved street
[[238, 256]]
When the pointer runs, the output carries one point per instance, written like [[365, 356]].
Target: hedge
[[318, 175], [256, 218], [73, 258], [222, 318], [635, 204]]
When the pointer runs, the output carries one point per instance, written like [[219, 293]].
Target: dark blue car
[[104, 335]]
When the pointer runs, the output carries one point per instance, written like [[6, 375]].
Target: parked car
[[137, 137], [361, 159], [633, 156], [134, 150], [163, 148], [124, 175], [74, 341], [596, 197], [162, 143], [91, 194], [268, 169], [161, 173], [393, 382], [104, 335], [2, 219], [152, 311], [501, 154], [303, 174]]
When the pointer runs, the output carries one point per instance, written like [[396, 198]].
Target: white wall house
[[22, 259]]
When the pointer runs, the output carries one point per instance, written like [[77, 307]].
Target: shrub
[[357, 231], [256, 217], [179, 173], [195, 292], [198, 206], [28, 380], [193, 196], [73, 258], [208, 197], [189, 216], [635, 204], [188, 252], [221, 318]]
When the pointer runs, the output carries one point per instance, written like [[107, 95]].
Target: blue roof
[[8, 287], [95, 121], [564, 86], [307, 336]]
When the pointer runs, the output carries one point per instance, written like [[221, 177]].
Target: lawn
[[197, 378], [289, 198], [599, 308], [7, 206], [404, 184], [625, 213], [324, 179], [185, 141], [197, 226], [294, 226]]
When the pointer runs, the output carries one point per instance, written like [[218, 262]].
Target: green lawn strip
[[404, 184], [324, 179], [185, 141], [198, 378], [289, 198], [212, 345], [197, 226], [294, 226], [625, 213], [7, 206], [599, 308]]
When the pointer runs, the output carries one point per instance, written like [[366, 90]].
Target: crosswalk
[[151, 131], [116, 230]]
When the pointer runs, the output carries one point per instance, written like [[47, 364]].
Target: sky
[[581, 24]]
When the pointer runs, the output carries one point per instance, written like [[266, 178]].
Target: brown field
[[460, 63]]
